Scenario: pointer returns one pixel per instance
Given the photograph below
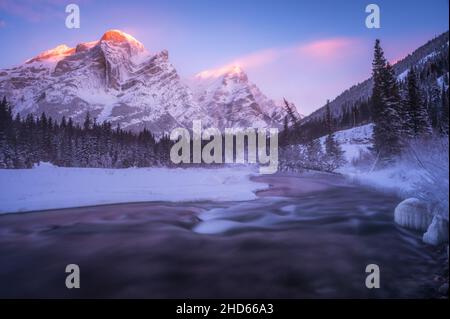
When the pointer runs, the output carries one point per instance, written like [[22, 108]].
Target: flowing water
[[306, 237]]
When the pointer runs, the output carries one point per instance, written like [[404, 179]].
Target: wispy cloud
[[328, 49], [320, 51], [2, 24], [249, 61]]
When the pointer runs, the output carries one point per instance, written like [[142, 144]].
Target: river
[[308, 236]]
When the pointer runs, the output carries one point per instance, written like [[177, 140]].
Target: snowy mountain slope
[[117, 79]]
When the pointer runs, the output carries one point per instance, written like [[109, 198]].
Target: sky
[[305, 51]]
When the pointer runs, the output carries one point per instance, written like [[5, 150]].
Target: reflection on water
[[305, 238]]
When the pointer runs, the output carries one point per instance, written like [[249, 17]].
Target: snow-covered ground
[[405, 177], [48, 187], [401, 179], [353, 141], [356, 141]]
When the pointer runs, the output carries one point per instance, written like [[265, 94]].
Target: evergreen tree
[[6, 135], [378, 70], [418, 117], [386, 105], [444, 126], [334, 156], [314, 157], [285, 135], [433, 102], [294, 135]]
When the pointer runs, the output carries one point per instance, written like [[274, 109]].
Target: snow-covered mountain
[[117, 79], [234, 101]]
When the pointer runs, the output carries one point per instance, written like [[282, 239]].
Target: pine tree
[[378, 70], [444, 128], [334, 156], [314, 157], [7, 138], [285, 135], [418, 116], [386, 105], [294, 135], [433, 102]]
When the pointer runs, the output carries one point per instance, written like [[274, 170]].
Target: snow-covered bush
[[296, 158], [364, 161], [291, 158], [432, 156]]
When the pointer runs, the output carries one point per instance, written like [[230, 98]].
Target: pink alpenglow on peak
[[56, 53], [117, 36], [226, 70]]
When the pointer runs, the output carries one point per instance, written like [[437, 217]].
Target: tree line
[[25, 142]]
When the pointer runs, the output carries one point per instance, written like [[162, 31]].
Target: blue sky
[[306, 51]]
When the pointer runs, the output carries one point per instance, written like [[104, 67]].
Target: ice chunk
[[413, 213]]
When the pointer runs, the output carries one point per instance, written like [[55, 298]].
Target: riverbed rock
[[437, 232], [413, 213]]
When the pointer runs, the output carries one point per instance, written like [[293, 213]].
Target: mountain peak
[[229, 70], [117, 36]]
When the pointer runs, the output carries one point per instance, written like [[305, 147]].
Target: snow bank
[[399, 179], [353, 141], [437, 233], [48, 187]]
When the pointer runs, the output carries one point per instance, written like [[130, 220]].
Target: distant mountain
[[118, 80], [229, 97], [362, 91]]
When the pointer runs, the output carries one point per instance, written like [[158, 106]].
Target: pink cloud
[[324, 50], [328, 49], [246, 62]]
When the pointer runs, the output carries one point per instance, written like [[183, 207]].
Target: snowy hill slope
[[353, 141], [361, 91]]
